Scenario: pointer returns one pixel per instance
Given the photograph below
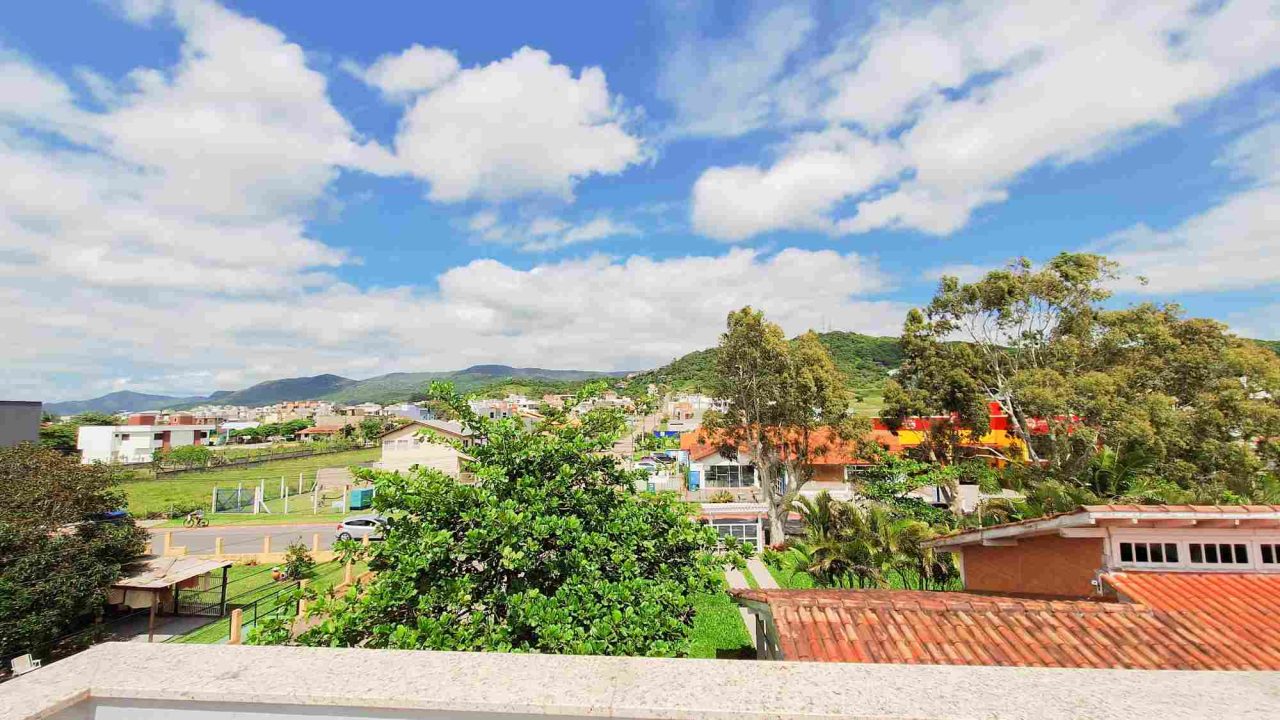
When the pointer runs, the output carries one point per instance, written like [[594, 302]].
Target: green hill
[[865, 359]]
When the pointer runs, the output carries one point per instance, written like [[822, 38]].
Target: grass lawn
[[718, 630], [194, 489], [790, 581], [247, 583]]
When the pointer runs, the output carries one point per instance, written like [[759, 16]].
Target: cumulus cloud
[[972, 95], [159, 240], [518, 126], [400, 75], [597, 313]]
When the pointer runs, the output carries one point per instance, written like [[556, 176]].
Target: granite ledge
[[647, 688]]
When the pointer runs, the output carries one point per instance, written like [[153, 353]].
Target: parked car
[[359, 527]]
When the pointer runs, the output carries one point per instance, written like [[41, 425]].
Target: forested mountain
[[865, 359]]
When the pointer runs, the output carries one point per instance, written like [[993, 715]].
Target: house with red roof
[[1180, 587]]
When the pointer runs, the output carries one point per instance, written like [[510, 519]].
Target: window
[[1218, 553], [731, 476], [853, 472], [1270, 553], [744, 531], [1148, 553]]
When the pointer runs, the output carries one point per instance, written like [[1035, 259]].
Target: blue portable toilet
[[695, 479]]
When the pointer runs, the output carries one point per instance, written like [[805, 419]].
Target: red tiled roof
[[835, 451], [944, 628], [1237, 611]]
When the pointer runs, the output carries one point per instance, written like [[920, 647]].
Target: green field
[[194, 489]]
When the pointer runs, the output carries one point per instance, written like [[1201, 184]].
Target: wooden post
[[315, 542], [266, 544], [168, 542], [365, 541], [151, 620], [300, 473], [237, 619], [213, 502], [346, 573], [217, 547], [302, 603]]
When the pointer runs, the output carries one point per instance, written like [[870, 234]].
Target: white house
[[407, 447], [137, 440]]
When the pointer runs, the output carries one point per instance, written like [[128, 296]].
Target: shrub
[[722, 496], [297, 561]]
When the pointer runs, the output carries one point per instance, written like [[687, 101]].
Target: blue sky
[[206, 195]]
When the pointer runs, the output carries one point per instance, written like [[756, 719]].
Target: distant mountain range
[[390, 388], [865, 359]]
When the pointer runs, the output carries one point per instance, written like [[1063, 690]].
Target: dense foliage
[[58, 555], [1173, 409], [863, 545], [551, 550]]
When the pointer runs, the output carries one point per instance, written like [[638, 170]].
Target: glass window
[[1219, 553], [1269, 553], [746, 532], [1149, 553], [731, 476]]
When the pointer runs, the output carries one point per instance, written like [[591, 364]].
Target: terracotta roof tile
[[1185, 621]]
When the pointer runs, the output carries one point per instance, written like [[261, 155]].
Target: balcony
[[149, 682]]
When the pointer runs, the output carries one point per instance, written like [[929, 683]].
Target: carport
[[175, 585]]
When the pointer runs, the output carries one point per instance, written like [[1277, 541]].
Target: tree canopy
[[57, 554], [551, 549], [1199, 403], [786, 403]]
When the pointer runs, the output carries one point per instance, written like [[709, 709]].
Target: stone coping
[[583, 686]]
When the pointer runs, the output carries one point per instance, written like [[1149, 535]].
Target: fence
[[254, 497], [277, 603]]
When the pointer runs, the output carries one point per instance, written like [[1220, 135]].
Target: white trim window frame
[[1194, 550]]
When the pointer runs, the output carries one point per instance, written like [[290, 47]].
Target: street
[[245, 539]]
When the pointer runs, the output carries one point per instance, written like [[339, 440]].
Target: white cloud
[[727, 86], [1230, 246], [400, 75], [814, 173], [546, 233], [971, 95], [593, 313], [518, 126]]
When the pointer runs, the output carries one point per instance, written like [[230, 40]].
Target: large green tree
[[1184, 392], [58, 555], [550, 550], [787, 402]]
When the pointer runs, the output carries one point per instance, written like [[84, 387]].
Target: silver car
[[359, 527]]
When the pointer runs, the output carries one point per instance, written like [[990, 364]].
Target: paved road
[[245, 539]]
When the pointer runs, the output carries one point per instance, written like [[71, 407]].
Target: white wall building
[[137, 442]]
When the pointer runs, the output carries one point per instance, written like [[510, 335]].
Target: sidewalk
[[763, 577], [738, 581]]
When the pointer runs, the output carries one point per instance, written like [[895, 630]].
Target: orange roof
[[1238, 610], [835, 451], [321, 430], [946, 628]]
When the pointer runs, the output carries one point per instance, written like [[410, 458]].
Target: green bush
[[297, 561]]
